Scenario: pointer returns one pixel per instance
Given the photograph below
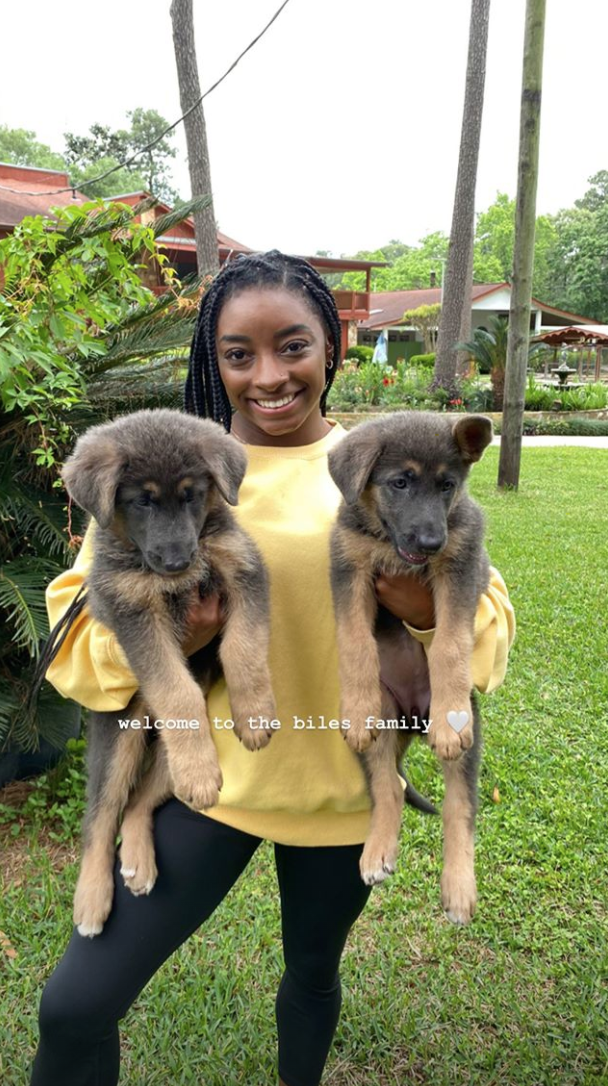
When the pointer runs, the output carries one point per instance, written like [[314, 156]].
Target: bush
[[426, 361], [360, 354]]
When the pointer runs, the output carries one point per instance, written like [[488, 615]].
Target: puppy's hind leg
[[458, 886], [113, 759], [138, 862], [379, 856]]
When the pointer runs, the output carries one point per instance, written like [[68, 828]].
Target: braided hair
[[205, 394]]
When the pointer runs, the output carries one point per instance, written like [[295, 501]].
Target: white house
[[487, 299]]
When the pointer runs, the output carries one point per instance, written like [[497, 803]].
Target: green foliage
[[56, 802], [409, 268], [18, 145], [562, 426], [374, 384], [103, 148], [425, 319], [427, 361], [81, 340], [488, 348], [360, 354]]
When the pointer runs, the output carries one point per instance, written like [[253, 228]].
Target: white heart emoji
[[458, 721]]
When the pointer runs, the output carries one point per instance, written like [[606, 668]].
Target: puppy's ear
[[92, 473], [352, 461], [226, 462], [472, 434]]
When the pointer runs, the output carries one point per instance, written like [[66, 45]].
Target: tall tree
[[103, 149], [196, 133], [523, 256], [20, 146], [455, 323]]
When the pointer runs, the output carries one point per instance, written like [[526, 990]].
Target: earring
[[329, 365]]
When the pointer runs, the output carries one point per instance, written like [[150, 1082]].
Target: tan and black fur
[[406, 509], [159, 485]]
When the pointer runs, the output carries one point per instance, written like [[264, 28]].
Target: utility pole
[[523, 254]]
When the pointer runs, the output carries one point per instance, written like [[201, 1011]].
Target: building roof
[[590, 334], [18, 182], [387, 308]]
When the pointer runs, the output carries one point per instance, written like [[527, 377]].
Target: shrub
[[360, 354], [426, 361]]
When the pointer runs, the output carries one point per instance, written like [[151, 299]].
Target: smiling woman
[[263, 359]]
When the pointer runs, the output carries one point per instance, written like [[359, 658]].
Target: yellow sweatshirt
[[306, 787]]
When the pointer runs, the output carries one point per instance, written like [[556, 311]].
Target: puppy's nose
[[430, 544], [176, 565]]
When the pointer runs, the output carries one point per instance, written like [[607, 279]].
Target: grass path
[[520, 998]]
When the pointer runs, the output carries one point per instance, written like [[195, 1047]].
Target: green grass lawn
[[519, 998]]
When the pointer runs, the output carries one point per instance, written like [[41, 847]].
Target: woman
[[262, 362]]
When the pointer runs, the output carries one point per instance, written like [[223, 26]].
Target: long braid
[[205, 394]]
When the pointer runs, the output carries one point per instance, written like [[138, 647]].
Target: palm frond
[[164, 223], [22, 588]]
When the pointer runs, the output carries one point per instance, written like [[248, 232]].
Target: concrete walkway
[[543, 442]]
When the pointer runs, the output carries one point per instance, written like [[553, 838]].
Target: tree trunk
[[523, 253], [457, 290], [205, 230]]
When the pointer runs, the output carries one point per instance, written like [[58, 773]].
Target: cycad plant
[[81, 340], [489, 349]]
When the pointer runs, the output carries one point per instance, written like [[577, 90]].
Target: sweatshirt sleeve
[[494, 634], [90, 667]]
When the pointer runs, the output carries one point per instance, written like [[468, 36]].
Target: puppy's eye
[[401, 483], [145, 499], [188, 495], [447, 486]]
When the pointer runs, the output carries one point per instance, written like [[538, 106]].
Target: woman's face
[[272, 352]]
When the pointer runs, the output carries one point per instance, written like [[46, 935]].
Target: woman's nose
[[270, 372]]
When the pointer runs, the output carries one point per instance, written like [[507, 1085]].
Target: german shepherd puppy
[[157, 484], [406, 509]]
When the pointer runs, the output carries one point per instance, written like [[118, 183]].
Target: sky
[[340, 130]]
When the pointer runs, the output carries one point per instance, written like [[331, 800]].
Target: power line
[[149, 146]]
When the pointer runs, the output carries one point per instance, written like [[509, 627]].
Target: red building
[[27, 190]]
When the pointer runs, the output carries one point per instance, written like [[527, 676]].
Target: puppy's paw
[[450, 732], [198, 784], [137, 860], [459, 894], [378, 860], [254, 736], [359, 734], [93, 903]]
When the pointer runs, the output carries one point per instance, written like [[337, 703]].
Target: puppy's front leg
[[177, 701], [244, 653], [458, 886], [355, 609], [449, 659]]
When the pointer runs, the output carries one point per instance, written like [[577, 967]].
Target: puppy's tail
[[413, 797]]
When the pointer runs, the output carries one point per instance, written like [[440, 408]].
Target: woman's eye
[[236, 355], [295, 347]]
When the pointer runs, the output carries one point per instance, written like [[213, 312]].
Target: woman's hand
[[407, 598], [204, 620]]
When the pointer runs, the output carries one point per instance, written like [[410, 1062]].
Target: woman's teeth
[[276, 403]]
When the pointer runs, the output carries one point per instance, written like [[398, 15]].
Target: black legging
[[198, 861]]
